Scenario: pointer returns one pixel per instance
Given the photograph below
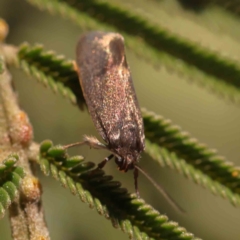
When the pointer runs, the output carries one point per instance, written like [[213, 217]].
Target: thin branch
[[26, 213]]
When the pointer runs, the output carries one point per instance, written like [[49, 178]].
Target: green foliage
[[51, 70], [128, 213], [160, 39], [10, 179], [165, 142], [154, 44], [171, 160], [157, 130], [164, 133]]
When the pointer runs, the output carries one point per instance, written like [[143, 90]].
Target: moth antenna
[[161, 190]]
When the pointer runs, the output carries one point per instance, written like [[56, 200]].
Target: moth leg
[[92, 142], [135, 173], [103, 163]]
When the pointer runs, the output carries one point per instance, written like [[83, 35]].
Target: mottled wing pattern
[[109, 93], [91, 63]]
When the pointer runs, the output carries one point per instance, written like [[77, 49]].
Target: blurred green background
[[207, 117]]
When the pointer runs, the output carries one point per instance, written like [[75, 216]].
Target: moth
[[107, 86]]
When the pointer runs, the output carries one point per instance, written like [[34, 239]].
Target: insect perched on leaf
[[109, 93]]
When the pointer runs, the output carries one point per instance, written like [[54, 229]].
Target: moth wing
[[108, 90], [125, 127]]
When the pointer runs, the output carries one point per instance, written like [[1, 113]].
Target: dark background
[[208, 118]]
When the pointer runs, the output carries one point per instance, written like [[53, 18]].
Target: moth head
[[127, 162]]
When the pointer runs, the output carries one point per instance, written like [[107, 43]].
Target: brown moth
[[108, 89], [109, 93]]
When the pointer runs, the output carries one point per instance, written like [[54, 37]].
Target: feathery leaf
[[161, 131], [52, 70], [10, 179], [167, 159], [132, 215], [154, 44], [164, 133]]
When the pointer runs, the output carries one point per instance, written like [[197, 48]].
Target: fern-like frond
[[161, 131], [167, 159], [10, 179], [52, 70], [47, 80], [154, 44], [157, 129], [132, 215]]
